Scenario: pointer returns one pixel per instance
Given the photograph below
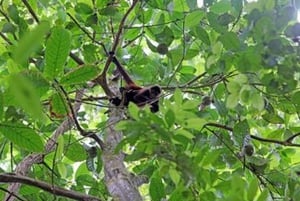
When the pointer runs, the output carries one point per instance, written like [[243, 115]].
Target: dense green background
[[239, 62]]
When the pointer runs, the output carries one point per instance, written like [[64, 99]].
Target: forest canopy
[[210, 112]]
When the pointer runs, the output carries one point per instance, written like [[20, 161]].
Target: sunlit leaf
[[193, 18], [252, 190], [57, 51], [170, 117]]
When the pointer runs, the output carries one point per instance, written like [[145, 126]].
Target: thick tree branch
[[9, 178], [24, 166], [119, 181]]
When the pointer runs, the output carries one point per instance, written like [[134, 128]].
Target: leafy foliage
[[229, 69]]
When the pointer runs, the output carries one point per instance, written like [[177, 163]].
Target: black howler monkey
[[134, 93]]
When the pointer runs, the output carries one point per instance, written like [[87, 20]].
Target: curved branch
[[8, 178], [24, 166]]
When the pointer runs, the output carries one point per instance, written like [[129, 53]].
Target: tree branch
[[287, 142], [8, 178], [31, 11], [101, 79], [24, 166]]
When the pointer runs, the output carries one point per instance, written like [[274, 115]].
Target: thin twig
[[286, 142], [74, 117], [12, 194], [87, 33], [31, 11], [101, 79]]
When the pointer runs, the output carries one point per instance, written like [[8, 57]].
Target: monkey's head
[[155, 91]]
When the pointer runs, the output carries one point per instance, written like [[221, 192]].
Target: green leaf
[[178, 97], [245, 94], [201, 34], [57, 51], [293, 31], [221, 6], [59, 149], [61, 167], [109, 11], [8, 28], [194, 18], [230, 41], [237, 5], [80, 75], [232, 101], [184, 133], [30, 42], [240, 130], [263, 196], [13, 13], [22, 136], [133, 110], [166, 36], [210, 158], [180, 6], [257, 101], [252, 190], [213, 21], [1, 106], [234, 87], [83, 8], [156, 188], [296, 98], [273, 118], [225, 19], [40, 84], [151, 46], [170, 118], [175, 175], [75, 152], [195, 123], [175, 55], [58, 105], [25, 94], [188, 70]]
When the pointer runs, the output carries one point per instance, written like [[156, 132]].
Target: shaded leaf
[[273, 118], [80, 75], [83, 8], [230, 41], [156, 188], [26, 96], [58, 106], [75, 152], [30, 42], [22, 136], [202, 34]]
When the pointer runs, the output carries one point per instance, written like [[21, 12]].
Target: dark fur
[[136, 94]]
